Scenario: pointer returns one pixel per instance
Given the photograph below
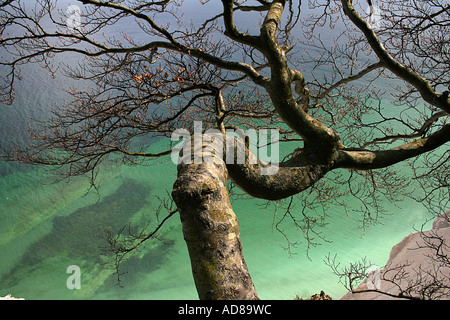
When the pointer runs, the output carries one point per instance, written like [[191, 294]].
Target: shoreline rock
[[410, 262], [9, 297]]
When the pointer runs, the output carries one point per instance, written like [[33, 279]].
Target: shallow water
[[47, 227]]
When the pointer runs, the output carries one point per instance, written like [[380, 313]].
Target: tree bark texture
[[211, 232]]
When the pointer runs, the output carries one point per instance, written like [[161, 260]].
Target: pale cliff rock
[[410, 261], [9, 297]]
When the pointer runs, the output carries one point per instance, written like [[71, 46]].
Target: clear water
[[46, 227]]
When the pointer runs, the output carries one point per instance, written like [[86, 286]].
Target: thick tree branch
[[317, 135], [417, 81], [260, 179], [274, 181], [231, 30], [365, 159]]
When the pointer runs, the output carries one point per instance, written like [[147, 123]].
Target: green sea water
[[46, 227]]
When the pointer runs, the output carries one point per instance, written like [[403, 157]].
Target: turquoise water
[[46, 227]]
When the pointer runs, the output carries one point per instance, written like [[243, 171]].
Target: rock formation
[[418, 267], [9, 297]]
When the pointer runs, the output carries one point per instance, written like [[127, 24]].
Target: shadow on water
[[136, 269], [7, 168], [79, 235]]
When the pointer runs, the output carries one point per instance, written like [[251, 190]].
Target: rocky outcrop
[[442, 221], [318, 296], [9, 297], [418, 267], [321, 296]]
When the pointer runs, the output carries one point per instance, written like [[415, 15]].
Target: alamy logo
[[374, 14], [74, 280], [374, 278], [200, 147], [74, 20]]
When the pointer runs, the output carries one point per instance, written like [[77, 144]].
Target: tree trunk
[[211, 232]]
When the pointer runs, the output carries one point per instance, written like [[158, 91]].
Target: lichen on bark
[[211, 232]]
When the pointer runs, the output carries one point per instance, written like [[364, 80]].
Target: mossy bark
[[211, 232]]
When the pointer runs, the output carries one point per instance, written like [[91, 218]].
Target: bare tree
[[178, 71]]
